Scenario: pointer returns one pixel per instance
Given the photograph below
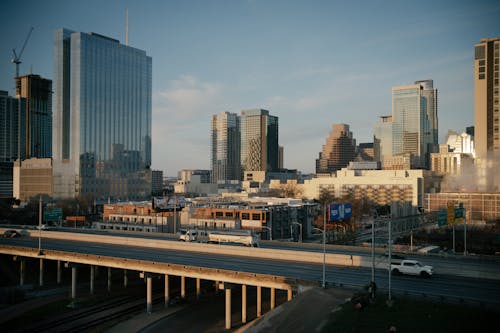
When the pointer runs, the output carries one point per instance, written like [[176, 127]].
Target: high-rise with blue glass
[[102, 117]]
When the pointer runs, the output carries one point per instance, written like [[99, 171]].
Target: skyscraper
[[486, 124], [102, 117], [338, 151], [38, 123], [259, 141], [226, 151], [413, 132], [382, 138]]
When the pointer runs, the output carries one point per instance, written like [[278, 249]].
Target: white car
[[411, 267]]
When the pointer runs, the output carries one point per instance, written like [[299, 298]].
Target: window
[[481, 62], [245, 216], [481, 76], [256, 217], [480, 52], [481, 69], [229, 214]]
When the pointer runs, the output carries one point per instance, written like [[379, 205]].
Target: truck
[[192, 235], [233, 239], [411, 267]]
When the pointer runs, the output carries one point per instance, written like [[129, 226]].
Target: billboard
[[340, 211], [169, 203]]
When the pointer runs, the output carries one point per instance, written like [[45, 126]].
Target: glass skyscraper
[[102, 117], [414, 121], [225, 148], [259, 141]]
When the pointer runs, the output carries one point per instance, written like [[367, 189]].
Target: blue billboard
[[340, 211]]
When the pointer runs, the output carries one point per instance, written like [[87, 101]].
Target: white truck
[[191, 235], [233, 239], [411, 267]]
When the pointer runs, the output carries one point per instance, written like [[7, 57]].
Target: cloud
[[180, 126]]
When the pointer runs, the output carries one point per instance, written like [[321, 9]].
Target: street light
[[270, 232], [324, 252], [300, 228], [40, 226]]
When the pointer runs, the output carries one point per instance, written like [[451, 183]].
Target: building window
[[245, 216], [481, 76], [480, 52], [481, 69]]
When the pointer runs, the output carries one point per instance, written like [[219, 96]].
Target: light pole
[[323, 284], [373, 250], [300, 230], [40, 225], [270, 232]]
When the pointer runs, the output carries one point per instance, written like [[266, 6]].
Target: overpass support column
[[228, 308], [259, 301], [125, 278], [183, 287], [22, 269], [244, 303], [59, 272], [73, 281], [92, 274], [149, 297], [289, 295], [198, 288], [273, 298], [167, 291], [109, 279], [40, 281]]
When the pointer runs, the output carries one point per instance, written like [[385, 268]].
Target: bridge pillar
[[183, 287], [228, 307], [198, 288], [259, 301], [40, 281], [125, 278], [273, 298], [149, 292], [289, 294], [92, 275], [22, 269], [244, 303], [59, 272], [109, 279], [216, 287], [73, 281], [167, 291]]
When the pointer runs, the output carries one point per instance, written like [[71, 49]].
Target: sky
[[311, 63]]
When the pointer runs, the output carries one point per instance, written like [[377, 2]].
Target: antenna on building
[[126, 26]]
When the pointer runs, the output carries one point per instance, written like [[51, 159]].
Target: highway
[[452, 287]]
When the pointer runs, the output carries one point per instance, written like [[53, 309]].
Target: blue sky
[[311, 63]]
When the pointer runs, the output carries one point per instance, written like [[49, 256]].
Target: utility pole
[[324, 245]]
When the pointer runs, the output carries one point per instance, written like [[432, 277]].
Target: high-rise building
[[382, 138], [226, 166], [413, 131], [338, 151], [12, 131], [12, 136], [102, 117], [259, 140], [487, 118], [38, 123], [430, 95]]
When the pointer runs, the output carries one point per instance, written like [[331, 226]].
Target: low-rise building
[[32, 177]]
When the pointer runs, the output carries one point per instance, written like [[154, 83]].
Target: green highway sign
[[53, 215]]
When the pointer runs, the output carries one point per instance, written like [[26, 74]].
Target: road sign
[[340, 211], [53, 215], [442, 217], [459, 215], [450, 213]]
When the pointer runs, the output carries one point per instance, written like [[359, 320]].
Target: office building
[[226, 141], [382, 138], [37, 92], [338, 151], [156, 182], [259, 141], [102, 117], [414, 116], [12, 131], [32, 177], [487, 117]]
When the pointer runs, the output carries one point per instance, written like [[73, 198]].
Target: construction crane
[[17, 58]]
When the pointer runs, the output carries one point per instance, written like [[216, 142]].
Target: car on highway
[[11, 233], [411, 267]]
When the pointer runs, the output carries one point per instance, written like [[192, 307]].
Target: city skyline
[[311, 64]]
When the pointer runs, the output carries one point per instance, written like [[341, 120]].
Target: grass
[[409, 315]]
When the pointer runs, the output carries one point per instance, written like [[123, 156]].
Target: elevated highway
[[277, 269]]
